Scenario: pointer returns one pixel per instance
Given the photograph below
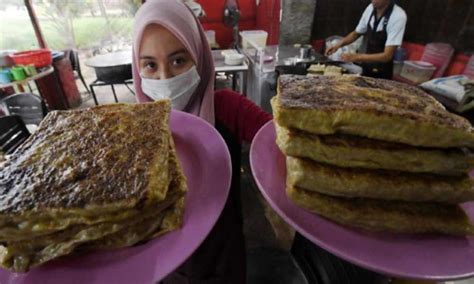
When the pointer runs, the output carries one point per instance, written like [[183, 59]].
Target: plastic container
[[258, 37], [39, 58], [397, 67], [332, 41], [18, 73], [417, 71], [234, 59], [30, 70], [5, 76], [211, 37], [5, 59], [351, 48]]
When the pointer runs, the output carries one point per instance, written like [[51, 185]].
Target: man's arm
[[395, 34], [384, 56]]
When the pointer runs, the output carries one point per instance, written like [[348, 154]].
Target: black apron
[[374, 42]]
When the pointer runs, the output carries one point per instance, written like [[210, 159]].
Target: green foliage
[[89, 32], [133, 6], [70, 24]]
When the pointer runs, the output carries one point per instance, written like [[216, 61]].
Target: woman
[[172, 59]]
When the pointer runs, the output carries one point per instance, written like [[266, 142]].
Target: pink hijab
[[179, 20]]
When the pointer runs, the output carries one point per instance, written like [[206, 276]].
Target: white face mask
[[179, 88]]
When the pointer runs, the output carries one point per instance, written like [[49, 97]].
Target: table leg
[[113, 91], [243, 83], [234, 81], [93, 94], [126, 85]]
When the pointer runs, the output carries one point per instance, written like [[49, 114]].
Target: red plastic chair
[[438, 54]]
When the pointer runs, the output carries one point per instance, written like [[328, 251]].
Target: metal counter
[[261, 78]]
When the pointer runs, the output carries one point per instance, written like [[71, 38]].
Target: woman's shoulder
[[239, 114], [226, 93]]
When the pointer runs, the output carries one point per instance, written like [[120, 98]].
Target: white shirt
[[395, 26]]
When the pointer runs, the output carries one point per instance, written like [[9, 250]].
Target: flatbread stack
[[99, 178], [374, 154]]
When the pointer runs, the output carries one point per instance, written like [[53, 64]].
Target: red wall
[[265, 16]]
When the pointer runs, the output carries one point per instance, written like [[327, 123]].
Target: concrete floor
[[104, 95]]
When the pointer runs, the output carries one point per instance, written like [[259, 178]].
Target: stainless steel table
[[240, 70]]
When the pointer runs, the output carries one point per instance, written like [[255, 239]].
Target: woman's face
[[162, 55]]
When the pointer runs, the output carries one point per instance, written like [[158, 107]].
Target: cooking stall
[[266, 63]]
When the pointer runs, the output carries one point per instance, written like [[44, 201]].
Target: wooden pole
[[34, 21]]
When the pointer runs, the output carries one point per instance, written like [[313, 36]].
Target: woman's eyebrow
[[182, 50], [147, 57]]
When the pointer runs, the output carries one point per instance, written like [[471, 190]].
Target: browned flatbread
[[89, 162], [389, 216], [374, 108], [103, 177], [349, 151], [378, 184]]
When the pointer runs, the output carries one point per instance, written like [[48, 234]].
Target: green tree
[[132, 6], [61, 14]]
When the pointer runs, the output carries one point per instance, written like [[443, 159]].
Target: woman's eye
[[179, 61], [150, 66]]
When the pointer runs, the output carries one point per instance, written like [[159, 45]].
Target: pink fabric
[[179, 20]]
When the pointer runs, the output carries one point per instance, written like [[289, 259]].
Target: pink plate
[[207, 166], [430, 257]]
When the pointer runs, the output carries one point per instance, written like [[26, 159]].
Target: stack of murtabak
[[98, 178], [374, 154]]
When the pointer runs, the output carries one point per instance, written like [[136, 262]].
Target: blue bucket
[[5, 76]]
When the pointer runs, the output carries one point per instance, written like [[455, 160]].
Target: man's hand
[[348, 39], [332, 49], [350, 57]]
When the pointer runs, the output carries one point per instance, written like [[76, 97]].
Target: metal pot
[[112, 74]]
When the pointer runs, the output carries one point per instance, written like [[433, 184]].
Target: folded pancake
[[374, 108], [357, 152], [156, 220], [169, 221], [86, 166], [20, 257], [378, 184], [39, 227], [389, 216]]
